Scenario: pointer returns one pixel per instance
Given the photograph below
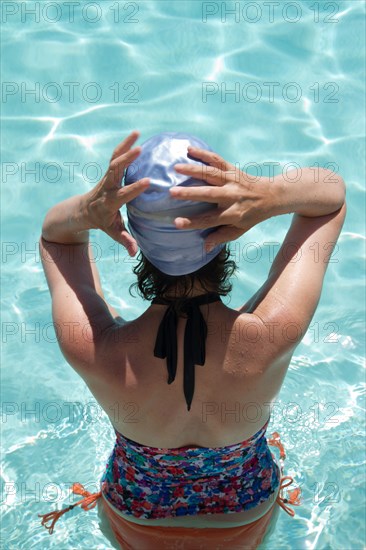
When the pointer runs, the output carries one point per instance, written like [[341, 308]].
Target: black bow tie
[[194, 338]]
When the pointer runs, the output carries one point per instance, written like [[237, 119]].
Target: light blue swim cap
[[151, 215]]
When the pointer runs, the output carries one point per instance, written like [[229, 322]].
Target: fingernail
[[178, 167], [210, 247], [132, 250], [179, 223]]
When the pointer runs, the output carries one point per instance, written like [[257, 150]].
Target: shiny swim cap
[[151, 215]]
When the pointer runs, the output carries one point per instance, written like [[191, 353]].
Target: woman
[[189, 463]]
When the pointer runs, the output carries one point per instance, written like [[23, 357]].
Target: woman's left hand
[[102, 204]]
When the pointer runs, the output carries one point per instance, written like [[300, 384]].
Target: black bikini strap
[[194, 338]]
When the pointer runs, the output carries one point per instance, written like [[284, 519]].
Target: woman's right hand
[[243, 201]]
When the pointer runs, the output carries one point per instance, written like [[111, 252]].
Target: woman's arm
[[77, 298], [243, 201], [307, 193], [286, 302], [67, 222]]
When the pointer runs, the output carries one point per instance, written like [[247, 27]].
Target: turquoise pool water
[[99, 70]]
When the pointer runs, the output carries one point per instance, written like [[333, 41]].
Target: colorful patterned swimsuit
[[151, 483]]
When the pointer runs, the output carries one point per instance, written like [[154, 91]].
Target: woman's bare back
[[233, 390]]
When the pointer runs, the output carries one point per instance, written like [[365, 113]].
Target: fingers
[[119, 233], [128, 242], [210, 174], [117, 167], [206, 194], [222, 235], [129, 192], [125, 239], [204, 221], [211, 158], [125, 145]]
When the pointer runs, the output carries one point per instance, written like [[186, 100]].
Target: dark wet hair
[[213, 277]]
